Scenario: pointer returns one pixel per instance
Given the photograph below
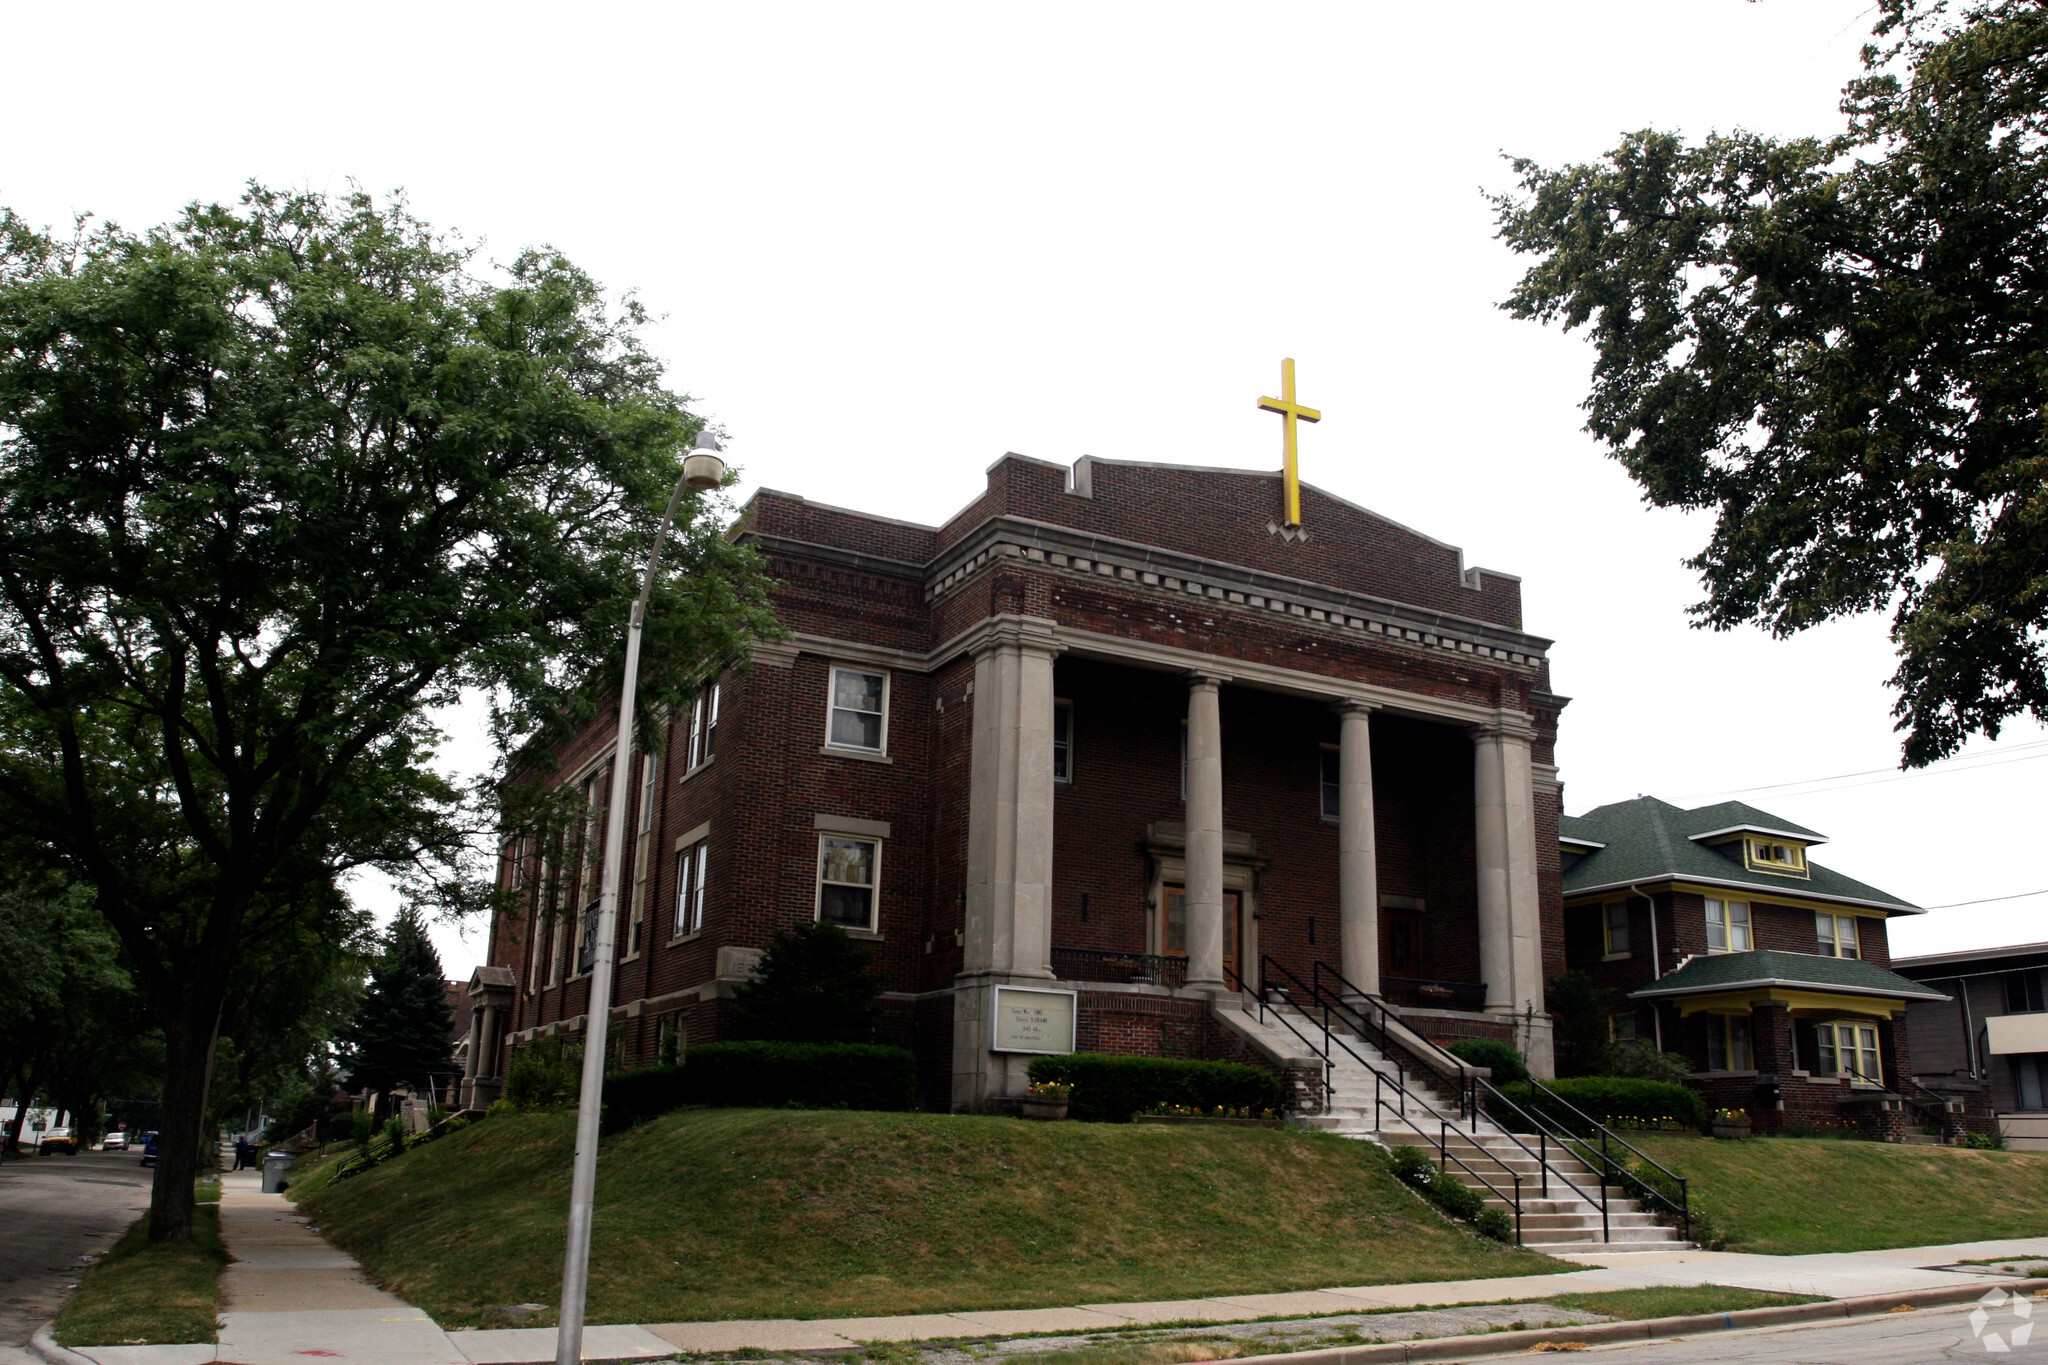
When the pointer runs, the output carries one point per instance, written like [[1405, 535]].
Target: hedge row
[[765, 1076], [1111, 1089], [1622, 1101]]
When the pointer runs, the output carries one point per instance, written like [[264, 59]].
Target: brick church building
[[1077, 763]]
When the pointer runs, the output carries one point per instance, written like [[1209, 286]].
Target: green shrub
[[1111, 1089], [362, 1127], [1506, 1063], [813, 984], [1618, 1101], [764, 1075], [1987, 1142], [394, 1130], [1413, 1167], [1495, 1224], [1639, 1057], [544, 1074]]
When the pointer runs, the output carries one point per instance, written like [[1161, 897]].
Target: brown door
[[1173, 925], [1400, 943]]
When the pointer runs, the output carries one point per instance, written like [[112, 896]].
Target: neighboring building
[[1988, 1044], [1113, 734], [1768, 972]]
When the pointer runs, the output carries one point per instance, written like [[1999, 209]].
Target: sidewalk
[[289, 1296]]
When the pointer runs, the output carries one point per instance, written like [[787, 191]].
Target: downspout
[[1656, 967]]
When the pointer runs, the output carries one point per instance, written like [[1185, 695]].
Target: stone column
[[1510, 917], [1205, 834], [1358, 879], [1008, 903]]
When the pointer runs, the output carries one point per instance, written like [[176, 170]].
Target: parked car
[[114, 1142], [149, 1149], [56, 1140]]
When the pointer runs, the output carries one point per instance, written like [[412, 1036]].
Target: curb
[[45, 1345], [1442, 1349]]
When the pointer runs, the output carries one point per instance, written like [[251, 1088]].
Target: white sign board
[[1028, 1019], [2010, 1033]]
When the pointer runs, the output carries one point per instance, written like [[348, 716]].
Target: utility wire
[[1987, 900], [1961, 763]]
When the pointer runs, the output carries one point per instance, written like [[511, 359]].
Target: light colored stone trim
[[847, 824], [691, 836]]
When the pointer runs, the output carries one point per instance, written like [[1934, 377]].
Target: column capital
[[1205, 679], [1354, 706], [1031, 634], [1509, 725]]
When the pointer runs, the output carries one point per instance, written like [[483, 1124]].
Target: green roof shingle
[[1647, 840], [1771, 967]]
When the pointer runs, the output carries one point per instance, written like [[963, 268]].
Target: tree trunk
[[29, 1081], [188, 1062]]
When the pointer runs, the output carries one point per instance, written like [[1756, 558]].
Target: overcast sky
[[889, 242]]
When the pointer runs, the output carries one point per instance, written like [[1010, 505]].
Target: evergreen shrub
[[1111, 1089], [544, 1074], [1413, 1167], [1502, 1057], [1618, 1101], [765, 1075]]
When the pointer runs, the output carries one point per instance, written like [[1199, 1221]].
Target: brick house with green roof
[[1769, 973]]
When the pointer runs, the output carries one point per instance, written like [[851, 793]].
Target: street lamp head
[[702, 467]]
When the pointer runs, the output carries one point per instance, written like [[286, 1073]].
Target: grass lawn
[[1784, 1196], [1676, 1301], [746, 1213], [141, 1294]]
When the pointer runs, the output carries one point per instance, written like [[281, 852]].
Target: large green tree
[[277, 480], [1836, 345], [399, 1036]]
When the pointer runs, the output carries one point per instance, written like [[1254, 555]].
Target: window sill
[[1329, 820], [862, 755], [698, 769], [866, 935], [1622, 956], [680, 939]]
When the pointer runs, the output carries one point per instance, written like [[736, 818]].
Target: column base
[[985, 1081]]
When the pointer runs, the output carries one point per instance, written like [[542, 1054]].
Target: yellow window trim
[[1794, 1001]]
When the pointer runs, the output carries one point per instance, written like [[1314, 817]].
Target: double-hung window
[[643, 840], [692, 867], [703, 728], [1849, 1049], [1614, 928], [1063, 741], [1332, 771], [2023, 992], [1728, 1042], [1837, 935], [849, 872], [859, 710], [1728, 927]]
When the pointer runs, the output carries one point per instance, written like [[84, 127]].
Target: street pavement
[[1918, 1338], [56, 1210]]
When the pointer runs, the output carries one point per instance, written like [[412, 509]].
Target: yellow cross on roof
[[1290, 413]]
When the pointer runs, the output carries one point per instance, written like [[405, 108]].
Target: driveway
[[56, 1209]]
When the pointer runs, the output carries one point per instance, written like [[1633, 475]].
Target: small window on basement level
[[1332, 775], [1063, 741], [859, 707], [847, 877]]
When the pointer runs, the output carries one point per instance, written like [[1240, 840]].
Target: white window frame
[[874, 885], [1728, 923], [1828, 929], [703, 742], [832, 709], [1062, 749], [691, 861], [1330, 781], [643, 847]]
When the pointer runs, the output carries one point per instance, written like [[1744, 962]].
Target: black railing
[[1420, 992], [383, 1149], [1607, 1168], [1098, 964], [1928, 1118], [1276, 997]]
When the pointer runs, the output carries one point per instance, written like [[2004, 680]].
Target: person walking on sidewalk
[[242, 1154]]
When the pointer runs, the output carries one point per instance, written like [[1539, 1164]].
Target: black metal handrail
[[1163, 968], [1849, 1068], [1372, 1014], [1361, 1009], [1445, 1125], [382, 1150], [1608, 1167]]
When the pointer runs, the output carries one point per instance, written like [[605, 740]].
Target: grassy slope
[[140, 1293], [1785, 1196], [710, 1214]]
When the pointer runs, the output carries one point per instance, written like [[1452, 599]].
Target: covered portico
[[1210, 938]]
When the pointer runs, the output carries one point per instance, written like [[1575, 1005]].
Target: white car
[[114, 1142]]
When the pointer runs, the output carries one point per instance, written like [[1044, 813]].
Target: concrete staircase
[[1565, 1218]]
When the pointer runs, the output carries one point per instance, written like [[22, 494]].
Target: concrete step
[[1599, 1248]]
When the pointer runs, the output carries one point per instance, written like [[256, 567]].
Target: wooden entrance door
[[1400, 942], [1173, 925]]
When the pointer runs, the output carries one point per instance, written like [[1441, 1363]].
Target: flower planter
[[1730, 1130], [1203, 1118], [1049, 1110]]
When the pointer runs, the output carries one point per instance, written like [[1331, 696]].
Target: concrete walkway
[[290, 1297]]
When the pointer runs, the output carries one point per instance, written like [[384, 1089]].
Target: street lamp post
[[702, 469]]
